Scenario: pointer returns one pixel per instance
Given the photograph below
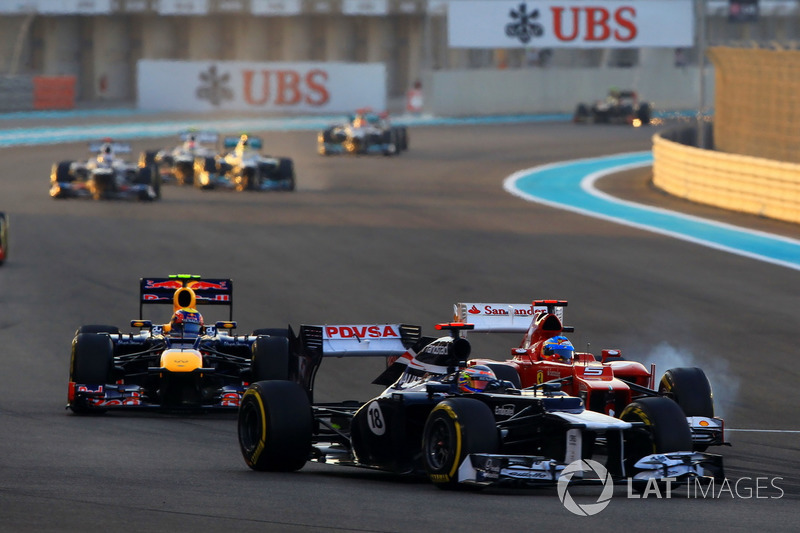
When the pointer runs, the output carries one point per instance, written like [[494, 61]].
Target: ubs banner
[[250, 86], [570, 24]]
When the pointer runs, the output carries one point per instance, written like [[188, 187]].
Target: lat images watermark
[[744, 488]]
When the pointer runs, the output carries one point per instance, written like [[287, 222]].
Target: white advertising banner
[[570, 24], [251, 86]]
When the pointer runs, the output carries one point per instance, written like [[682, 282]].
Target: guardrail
[[735, 182]]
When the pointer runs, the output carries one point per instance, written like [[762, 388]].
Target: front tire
[[665, 429], [275, 426], [91, 363], [690, 389], [455, 428]]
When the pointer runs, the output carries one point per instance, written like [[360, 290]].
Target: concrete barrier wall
[[735, 182], [17, 93], [558, 90]]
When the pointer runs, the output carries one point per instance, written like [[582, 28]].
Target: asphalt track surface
[[377, 240]]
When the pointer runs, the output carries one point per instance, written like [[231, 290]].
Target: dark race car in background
[[364, 132], [105, 176], [619, 107], [197, 149], [157, 367], [607, 383], [425, 422]]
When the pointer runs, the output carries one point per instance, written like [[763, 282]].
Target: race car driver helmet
[[106, 154], [558, 349], [475, 378], [186, 322]]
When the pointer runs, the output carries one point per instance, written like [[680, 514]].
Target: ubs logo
[[214, 86], [524, 26]]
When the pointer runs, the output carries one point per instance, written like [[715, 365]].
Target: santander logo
[[492, 310]]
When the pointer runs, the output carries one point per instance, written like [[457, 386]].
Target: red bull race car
[[183, 364], [459, 425], [607, 383]]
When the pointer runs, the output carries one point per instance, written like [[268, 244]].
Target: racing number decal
[[375, 419], [593, 371]]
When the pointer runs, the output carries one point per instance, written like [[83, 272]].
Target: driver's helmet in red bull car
[[186, 323], [475, 378], [558, 349]]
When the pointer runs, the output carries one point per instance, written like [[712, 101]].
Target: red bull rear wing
[[208, 291]]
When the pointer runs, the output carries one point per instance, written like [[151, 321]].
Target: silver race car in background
[[365, 132], [197, 149], [105, 176]]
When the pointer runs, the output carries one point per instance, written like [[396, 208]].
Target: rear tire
[[270, 359], [506, 373], [275, 426], [455, 428]]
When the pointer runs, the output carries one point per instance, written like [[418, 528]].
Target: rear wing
[[205, 137], [504, 317], [314, 343], [96, 147], [208, 291], [372, 340]]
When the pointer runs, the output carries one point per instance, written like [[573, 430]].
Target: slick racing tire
[[270, 359], [665, 429], [97, 328], [644, 113], [272, 332], [91, 363], [275, 426], [455, 428], [690, 389]]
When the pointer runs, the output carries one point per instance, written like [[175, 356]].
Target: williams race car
[[244, 168], [105, 176], [3, 237], [177, 165], [460, 425], [619, 107], [606, 384], [365, 132], [184, 364]]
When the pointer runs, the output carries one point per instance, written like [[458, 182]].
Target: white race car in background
[[196, 149], [245, 168], [365, 132], [105, 176]]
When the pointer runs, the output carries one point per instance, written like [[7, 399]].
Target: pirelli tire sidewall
[[275, 426], [665, 429], [455, 428]]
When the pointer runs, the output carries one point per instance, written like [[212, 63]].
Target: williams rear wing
[[503, 317], [208, 291], [314, 343]]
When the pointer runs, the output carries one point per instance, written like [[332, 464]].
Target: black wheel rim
[[440, 445]]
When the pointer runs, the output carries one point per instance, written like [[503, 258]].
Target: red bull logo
[[172, 284], [207, 285]]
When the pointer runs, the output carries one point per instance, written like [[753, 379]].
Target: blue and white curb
[[570, 185]]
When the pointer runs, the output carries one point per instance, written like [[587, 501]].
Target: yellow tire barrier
[[735, 182]]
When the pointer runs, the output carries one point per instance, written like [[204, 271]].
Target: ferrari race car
[[105, 176], [3, 237], [177, 165], [181, 365], [244, 168], [364, 132], [619, 107], [607, 384], [459, 425]]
